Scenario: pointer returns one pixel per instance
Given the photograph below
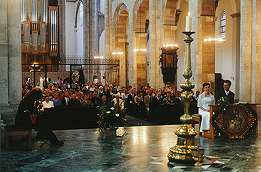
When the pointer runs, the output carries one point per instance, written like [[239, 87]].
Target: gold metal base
[[185, 151]]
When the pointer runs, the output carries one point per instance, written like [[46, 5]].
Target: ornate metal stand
[[185, 151]]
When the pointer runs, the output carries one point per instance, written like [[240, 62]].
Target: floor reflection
[[142, 148]]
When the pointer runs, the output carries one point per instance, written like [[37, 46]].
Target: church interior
[[130, 85]]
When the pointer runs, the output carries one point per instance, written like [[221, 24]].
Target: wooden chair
[[196, 119]]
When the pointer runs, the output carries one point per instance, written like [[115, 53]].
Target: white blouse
[[205, 100]]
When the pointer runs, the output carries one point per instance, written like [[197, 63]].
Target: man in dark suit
[[226, 92]]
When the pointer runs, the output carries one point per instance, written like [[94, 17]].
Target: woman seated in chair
[[205, 99]]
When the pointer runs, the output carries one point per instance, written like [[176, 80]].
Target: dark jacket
[[230, 96]]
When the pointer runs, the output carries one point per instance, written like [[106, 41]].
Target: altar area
[[140, 148]]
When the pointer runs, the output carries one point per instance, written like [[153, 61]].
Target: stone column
[[196, 46], [208, 49], [10, 55], [154, 76], [245, 50], [236, 50], [61, 4], [95, 37], [14, 52], [258, 52], [108, 28], [87, 36], [151, 53], [3, 55], [132, 65], [159, 38]]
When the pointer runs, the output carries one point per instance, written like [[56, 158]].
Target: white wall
[[73, 36], [224, 60], [102, 44], [102, 6]]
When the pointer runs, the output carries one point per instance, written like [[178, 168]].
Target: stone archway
[[171, 14], [120, 42], [141, 38]]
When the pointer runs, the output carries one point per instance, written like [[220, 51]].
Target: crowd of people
[[128, 100], [145, 100]]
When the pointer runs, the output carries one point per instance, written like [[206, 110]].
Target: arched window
[[223, 22]]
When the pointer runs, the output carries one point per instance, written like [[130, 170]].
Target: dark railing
[[68, 65]]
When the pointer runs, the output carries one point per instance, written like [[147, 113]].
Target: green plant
[[109, 118], [223, 104]]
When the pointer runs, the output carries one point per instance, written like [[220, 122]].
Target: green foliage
[[109, 118], [223, 104]]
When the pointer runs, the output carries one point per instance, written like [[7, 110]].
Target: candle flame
[[188, 13]]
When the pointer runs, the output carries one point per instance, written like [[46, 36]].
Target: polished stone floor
[[141, 148]]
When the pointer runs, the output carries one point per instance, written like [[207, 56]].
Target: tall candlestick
[[188, 23]]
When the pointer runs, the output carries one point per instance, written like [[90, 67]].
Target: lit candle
[[188, 23]]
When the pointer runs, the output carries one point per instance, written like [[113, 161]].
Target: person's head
[[226, 85], [206, 87]]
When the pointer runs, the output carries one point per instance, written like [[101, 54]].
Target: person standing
[[204, 100], [227, 93]]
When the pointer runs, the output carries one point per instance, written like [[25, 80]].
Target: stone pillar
[[159, 38], [10, 55], [196, 46], [14, 52], [236, 50], [258, 52], [154, 76], [108, 28], [3, 55], [245, 50], [87, 36], [61, 4], [132, 65], [208, 48], [95, 38], [151, 53]]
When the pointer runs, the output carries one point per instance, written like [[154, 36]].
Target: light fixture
[[98, 57], [117, 53], [140, 50], [170, 45], [215, 39]]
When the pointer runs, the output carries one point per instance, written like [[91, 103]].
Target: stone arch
[[120, 40], [141, 38], [121, 6], [171, 15]]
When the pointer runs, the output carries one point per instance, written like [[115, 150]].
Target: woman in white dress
[[204, 100]]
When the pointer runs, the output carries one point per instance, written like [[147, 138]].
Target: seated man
[[25, 118]]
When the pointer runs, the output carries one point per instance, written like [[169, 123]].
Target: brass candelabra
[[185, 151]]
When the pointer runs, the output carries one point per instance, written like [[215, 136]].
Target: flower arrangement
[[223, 107], [109, 118], [223, 104]]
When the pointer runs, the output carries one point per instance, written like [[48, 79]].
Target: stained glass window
[[223, 22]]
